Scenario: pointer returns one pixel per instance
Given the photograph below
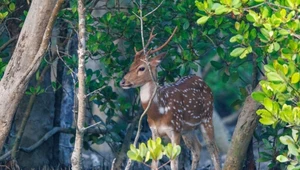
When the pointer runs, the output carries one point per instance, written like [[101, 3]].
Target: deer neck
[[146, 92]]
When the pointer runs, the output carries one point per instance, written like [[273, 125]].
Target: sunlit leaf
[[295, 78], [237, 52], [273, 76], [282, 158], [202, 20]]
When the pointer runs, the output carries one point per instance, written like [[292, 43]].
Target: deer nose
[[122, 82]]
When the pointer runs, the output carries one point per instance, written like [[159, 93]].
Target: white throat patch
[[145, 93]]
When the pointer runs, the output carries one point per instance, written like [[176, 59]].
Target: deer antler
[[148, 42], [162, 46], [138, 53]]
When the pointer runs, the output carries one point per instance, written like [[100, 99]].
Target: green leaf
[[295, 78], [202, 20], [158, 152], [291, 167], [295, 134], [252, 16], [175, 152], [266, 33], [151, 144], [283, 32], [216, 64], [133, 149], [158, 141], [282, 158], [266, 121], [37, 75], [286, 114], [266, 117], [193, 66], [168, 150], [147, 156], [269, 68], [237, 52], [263, 113], [221, 9], [276, 46], [247, 51], [131, 155], [182, 70], [293, 149], [268, 104], [258, 96], [186, 25], [12, 6], [273, 76], [236, 38], [108, 16], [143, 149], [286, 140]]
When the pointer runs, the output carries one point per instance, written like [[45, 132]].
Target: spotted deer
[[176, 110]]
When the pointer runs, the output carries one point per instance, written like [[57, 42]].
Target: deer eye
[[141, 68]]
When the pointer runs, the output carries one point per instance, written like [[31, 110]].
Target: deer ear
[[157, 59]]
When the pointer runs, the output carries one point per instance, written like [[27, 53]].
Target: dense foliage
[[268, 33], [243, 41], [190, 49]]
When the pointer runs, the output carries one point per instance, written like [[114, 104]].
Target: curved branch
[[9, 42], [47, 136]]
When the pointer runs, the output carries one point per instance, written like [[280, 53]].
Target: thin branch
[[154, 9], [255, 6], [9, 42], [76, 158], [91, 126], [164, 164], [214, 44], [58, 54], [136, 14], [48, 135], [93, 92], [268, 3], [295, 35]]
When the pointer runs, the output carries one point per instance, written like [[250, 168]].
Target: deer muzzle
[[125, 85]]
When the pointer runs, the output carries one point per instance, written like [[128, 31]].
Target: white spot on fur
[[161, 110], [167, 108]]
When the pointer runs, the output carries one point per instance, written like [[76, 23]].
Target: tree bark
[[242, 135], [76, 155], [31, 46]]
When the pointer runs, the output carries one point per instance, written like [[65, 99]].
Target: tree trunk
[[63, 115], [76, 155], [242, 135], [30, 48]]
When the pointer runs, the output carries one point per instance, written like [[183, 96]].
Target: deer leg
[[208, 134], [175, 139], [192, 142], [154, 164]]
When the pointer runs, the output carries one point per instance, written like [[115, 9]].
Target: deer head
[[139, 72]]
